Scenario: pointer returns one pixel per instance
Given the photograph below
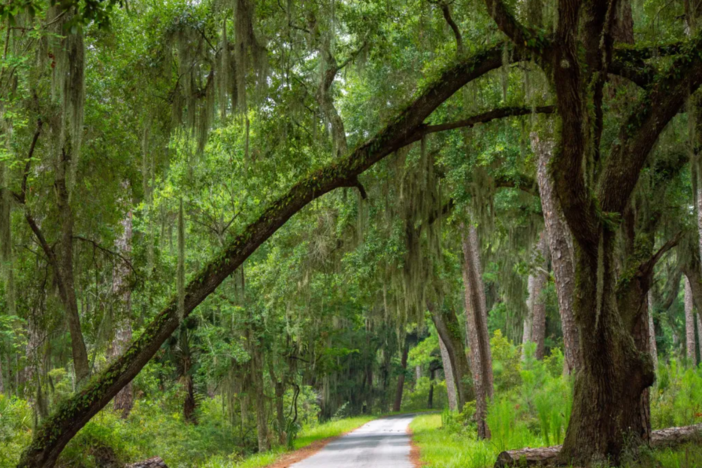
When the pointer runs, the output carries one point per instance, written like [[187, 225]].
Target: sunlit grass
[[442, 448], [336, 428]]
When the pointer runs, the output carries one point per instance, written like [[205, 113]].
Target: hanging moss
[[68, 86]]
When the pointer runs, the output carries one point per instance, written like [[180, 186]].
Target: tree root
[[548, 456]]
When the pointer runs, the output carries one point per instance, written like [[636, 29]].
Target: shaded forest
[[230, 228]]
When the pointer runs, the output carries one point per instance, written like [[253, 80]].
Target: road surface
[[383, 443]]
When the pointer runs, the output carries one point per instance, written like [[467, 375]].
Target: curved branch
[[523, 37], [499, 113], [641, 130], [56, 431]]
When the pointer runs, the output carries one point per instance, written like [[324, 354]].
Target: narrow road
[[381, 443]]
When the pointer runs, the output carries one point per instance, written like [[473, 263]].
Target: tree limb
[[485, 117], [106, 250], [56, 431], [641, 130]]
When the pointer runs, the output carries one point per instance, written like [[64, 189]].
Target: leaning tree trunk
[[561, 250], [449, 332], [448, 376], [401, 378], [476, 327], [408, 127], [690, 348]]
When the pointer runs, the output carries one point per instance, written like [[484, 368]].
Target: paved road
[[383, 443]]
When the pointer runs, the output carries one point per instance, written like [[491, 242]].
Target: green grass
[[447, 449], [443, 448], [336, 428]]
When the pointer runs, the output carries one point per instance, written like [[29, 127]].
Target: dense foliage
[[161, 173]]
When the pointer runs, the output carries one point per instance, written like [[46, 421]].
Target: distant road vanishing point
[[383, 443]]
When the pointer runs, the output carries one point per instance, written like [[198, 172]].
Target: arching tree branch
[[56, 431]]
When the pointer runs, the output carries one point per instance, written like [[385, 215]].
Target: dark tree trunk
[[401, 378], [449, 332], [64, 272], [476, 327], [607, 414], [259, 398], [279, 403]]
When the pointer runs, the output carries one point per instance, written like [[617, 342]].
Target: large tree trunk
[[53, 435], [607, 414], [690, 344], [124, 400], [561, 249], [401, 378], [476, 327], [449, 332], [448, 376]]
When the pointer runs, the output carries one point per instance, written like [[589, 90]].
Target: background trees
[[458, 154]]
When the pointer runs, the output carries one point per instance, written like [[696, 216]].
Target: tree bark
[[64, 270], [279, 403], [690, 344], [476, 327], [653, 348], [536, 302], [52, 436], [561, 249], [401, 378], [449, 332], [448, 376], [124, 400]]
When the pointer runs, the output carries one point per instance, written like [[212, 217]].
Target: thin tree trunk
[[538, 303], [653, 348], [430, 398], [448, 376], [279, 404], [528, 320], [64, 271], [124, 400], [2, 381], [690, 345], [401, 378], [476, 327], [561, 249], [259, 399], [448, 329]]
